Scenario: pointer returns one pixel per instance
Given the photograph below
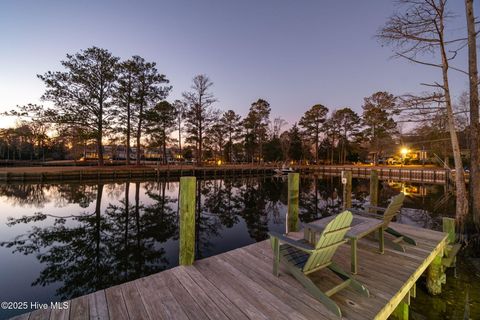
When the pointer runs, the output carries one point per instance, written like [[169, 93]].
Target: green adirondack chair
[[388, 214], [302, 258]]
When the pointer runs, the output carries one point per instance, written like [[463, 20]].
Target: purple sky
[[292, 53]]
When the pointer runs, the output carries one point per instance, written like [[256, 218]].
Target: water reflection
[[86, 237]]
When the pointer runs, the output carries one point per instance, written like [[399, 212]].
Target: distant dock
[[72, 173], [77, 173], [239, 285], [408, 173]]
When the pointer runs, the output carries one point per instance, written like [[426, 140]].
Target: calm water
[[60, 241]]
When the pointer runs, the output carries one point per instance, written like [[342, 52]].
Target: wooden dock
[[433, 175], [69, 174], [239, 285]]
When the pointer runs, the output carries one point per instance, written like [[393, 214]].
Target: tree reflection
[[275, 193], [25, 194], [91, 251], [222, 201], [207, 223], [84, 195], [39, 194], [136, 229], [253, 209], [318, 198], [74, 255]]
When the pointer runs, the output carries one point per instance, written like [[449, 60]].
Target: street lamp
[[404, 152]]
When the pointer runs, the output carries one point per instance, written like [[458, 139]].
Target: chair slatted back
[[393, 209], [332, 236]]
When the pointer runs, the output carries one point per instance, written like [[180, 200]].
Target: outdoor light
[[404, 151]]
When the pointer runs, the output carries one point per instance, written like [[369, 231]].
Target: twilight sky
[[292, 53]]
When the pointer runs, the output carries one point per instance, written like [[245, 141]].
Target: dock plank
[[24, 316], [60, 314], [227, 306], [41, 314], [203, 299], [240, 298], [97, 303], [116, 303], [187, 302], [158, 300], [79, 308], [133, 302]]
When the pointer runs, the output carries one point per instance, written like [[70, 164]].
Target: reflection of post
[[347, 189], [374, 188], [98, 213], [293, 191], [187, 220]]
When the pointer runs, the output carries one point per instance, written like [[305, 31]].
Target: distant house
[[156, 154], [120, 153], [109, 152]]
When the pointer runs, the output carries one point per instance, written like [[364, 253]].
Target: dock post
[[347, 189], [436, 271], [448, 226], [293, 194], [374, 188], [436, 275], [187, 220], [452, 248], [401, 311]]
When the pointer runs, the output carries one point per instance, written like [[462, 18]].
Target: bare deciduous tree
[[420, 30]]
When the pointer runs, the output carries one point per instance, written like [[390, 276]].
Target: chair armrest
[[366, 213], [292, 242]]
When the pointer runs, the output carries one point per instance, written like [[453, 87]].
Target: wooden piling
[[401, 311], [436, 275], [374, 188], [347, 189], [448, 226], [187, 220], [452, 248], [293, 194]]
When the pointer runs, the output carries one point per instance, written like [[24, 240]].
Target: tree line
[[139, 115], [97, 97]]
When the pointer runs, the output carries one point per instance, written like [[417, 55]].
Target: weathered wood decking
[[239, 285]]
